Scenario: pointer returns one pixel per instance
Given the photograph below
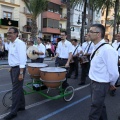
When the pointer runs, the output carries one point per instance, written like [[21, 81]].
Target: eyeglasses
[[93, 31], [62, 35], [9, 33]]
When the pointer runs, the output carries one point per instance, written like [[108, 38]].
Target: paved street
[[40, 108]]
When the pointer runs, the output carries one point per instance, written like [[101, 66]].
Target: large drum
[[52, 76], [34, 69]]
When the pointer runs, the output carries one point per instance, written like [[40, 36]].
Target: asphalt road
[[40, 108]]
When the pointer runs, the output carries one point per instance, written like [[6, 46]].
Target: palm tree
[[68, 20], [116, 8], [35, 7]]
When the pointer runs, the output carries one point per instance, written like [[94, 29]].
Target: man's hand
[[112, 87], [66, 65], [20, 77]]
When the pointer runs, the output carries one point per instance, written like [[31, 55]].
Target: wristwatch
[[21, 73]]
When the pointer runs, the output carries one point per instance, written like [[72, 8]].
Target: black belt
[[92, 81], [63, 58], [15, 66]]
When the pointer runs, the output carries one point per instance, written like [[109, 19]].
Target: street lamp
[[78, 22]]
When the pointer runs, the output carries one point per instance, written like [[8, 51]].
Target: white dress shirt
[[48, 46], [104, 65], [85, 47], [64, 49], [41, 48], [79, 48], [17, 54], [115, 45]]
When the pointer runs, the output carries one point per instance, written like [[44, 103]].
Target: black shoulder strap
[[89, 47], [118, 47], [75, 49], [97, 49]]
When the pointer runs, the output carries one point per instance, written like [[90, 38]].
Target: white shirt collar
[[99, 43]]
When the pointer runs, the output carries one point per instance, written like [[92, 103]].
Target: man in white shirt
[[74, 61], [41, 53], [116, 45], [103, 72], [17, 60], [49, 49], [64, 52], [87, 48]]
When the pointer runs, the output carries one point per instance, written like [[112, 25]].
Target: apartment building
[[9, 15]]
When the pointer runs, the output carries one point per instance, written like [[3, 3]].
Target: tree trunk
[[83, 22], [34, 30], [115, 17], [68, 21], [106, 16]]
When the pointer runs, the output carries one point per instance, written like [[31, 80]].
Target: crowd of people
[[94, 56]]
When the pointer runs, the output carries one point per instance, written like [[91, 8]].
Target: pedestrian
[[64, 52], [103, 71], [17, 60], [87, 48], [116, 46], [74, 61], [41, 51]]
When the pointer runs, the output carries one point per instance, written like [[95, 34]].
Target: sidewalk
[[5, 62]]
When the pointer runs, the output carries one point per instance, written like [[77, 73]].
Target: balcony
[[63, 17], [51, 30], [8, 22], [51, 15]]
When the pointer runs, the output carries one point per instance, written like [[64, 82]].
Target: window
[[12, 1], [29, 21], [7, 15], [50, 23], [52, 7]]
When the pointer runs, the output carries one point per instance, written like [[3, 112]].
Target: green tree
[[35, 7]]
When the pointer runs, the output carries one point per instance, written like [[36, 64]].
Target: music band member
[[116, 46], [103, 71], [17, 60], [64, 52], [87, 48], [41, 53], [74, 61]]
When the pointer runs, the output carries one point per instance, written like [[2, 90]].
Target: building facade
[[9, 15]]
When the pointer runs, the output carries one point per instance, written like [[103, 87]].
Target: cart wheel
[[7, 99], [68, 93]]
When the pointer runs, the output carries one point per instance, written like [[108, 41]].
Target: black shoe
[[68, 76], [21, 109], [75, 77], [118, 117], [10, 116], [81, 83]]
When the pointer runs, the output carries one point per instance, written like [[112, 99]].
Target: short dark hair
[[64, 32], [101, 28], [40, 38], [15, 29], [75, 40]]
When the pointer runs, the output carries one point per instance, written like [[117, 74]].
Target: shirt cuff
[[112, 83], [22, 66]]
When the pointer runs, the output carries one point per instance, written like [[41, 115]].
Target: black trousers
[[50, 52], [18, 100], [62, 62], [38, 60], [74, 67], [84, 71], [98, 94]]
